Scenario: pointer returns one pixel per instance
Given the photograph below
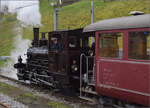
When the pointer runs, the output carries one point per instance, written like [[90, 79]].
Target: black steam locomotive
[[59, 69]]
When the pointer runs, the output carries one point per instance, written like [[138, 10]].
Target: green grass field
[[72, 16], [6, 35], [77, 15]]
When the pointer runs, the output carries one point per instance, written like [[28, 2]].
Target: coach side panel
[[123, 65]]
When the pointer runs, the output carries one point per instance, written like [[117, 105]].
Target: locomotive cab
[[65, 64]]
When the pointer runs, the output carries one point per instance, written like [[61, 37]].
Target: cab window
[[84, 42], [110, 45], [72, 42], [139, 45]]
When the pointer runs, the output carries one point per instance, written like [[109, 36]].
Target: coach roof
[[120, 23]]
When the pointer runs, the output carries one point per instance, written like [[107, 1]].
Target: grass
[[28, 98], [73, 16], [2, 63], [77, 15], [54, 104], [17, 93], [7, 34]]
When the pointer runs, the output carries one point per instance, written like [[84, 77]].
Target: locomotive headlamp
[[74, 66], [75, 69]]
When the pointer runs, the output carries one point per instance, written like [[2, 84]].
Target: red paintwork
[[124, 78]]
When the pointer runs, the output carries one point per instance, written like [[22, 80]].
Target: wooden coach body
[[123, 58]]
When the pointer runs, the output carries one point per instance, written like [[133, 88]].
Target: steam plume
[[28, 14]]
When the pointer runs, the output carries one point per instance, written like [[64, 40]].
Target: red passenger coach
[[122, 58]]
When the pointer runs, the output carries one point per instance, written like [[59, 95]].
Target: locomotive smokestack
[[36, 37]]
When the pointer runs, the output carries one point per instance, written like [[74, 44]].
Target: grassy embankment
[[73, 16], [30, 99], [77, 15], [7, 34]]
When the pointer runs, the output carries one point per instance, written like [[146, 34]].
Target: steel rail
[[4, 105]]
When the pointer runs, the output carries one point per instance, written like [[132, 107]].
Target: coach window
[[110, 45], [139, 45]]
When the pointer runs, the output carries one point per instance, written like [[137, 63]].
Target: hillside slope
[[77, 15], [7, 34], [72, 16]]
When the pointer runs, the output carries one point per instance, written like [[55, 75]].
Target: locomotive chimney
[[36, 37]]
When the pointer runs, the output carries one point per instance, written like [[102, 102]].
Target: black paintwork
[[47, 67]]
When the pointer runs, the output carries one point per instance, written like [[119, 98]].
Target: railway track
[[69, 99], [14, 80], [3, 105]]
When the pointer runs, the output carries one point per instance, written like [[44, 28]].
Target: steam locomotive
[[116, 71]]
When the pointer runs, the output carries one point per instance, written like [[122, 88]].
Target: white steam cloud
[[27, 11], [28, 14], [21, 46]]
